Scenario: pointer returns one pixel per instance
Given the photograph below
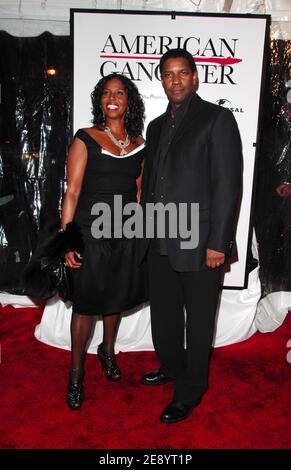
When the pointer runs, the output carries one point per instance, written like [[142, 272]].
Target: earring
[[103, 115], [126, 117]]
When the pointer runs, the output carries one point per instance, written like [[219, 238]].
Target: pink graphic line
[[215, 60]]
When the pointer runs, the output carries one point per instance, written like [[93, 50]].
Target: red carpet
[[247, 405]]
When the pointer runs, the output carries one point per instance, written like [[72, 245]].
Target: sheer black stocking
[[81, 326], [110, 328]]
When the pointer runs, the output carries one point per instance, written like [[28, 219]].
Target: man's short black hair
[[174, 53]]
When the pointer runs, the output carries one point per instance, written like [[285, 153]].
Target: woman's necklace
[[122, 144]]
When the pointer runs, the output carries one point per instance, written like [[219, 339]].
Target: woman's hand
[[72, 259]]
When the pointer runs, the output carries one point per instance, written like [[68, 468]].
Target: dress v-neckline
[[107, 152]]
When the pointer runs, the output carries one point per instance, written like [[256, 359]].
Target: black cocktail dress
[[110, 279]]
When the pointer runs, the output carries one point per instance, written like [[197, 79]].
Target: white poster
[[228, 51]]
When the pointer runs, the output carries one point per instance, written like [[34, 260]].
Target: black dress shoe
[[175, 412], [108, 363], [155, 378], [75, 396], [75, 393]]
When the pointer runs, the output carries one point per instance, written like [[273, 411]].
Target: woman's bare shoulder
[[93, 130], [139, 140]]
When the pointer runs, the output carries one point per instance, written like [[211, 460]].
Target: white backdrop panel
[[229, 55]]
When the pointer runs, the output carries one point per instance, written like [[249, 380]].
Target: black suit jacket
[[203, 165]]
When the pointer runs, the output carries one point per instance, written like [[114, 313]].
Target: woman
[[103, 161]]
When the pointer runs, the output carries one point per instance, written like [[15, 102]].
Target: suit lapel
[[155, 140], [152, 149], [157, 128]]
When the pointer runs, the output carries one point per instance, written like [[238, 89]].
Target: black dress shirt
[[169, 128]]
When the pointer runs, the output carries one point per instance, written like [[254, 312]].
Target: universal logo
[[227, 104]]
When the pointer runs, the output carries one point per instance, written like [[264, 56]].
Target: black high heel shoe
[[75, 393], [108, 363]]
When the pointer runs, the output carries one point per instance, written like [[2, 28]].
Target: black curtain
[[273, 202], [34, 136]]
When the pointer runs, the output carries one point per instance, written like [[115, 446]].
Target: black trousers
[[179, 300]]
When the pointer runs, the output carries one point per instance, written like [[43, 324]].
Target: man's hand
[[284, 189], [214, 259]]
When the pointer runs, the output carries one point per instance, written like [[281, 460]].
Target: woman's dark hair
[[173, 54], [135, 113]]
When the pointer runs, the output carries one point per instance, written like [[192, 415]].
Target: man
[[193, 156]]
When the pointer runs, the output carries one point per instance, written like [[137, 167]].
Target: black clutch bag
[[46, 273], [56, 277]]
